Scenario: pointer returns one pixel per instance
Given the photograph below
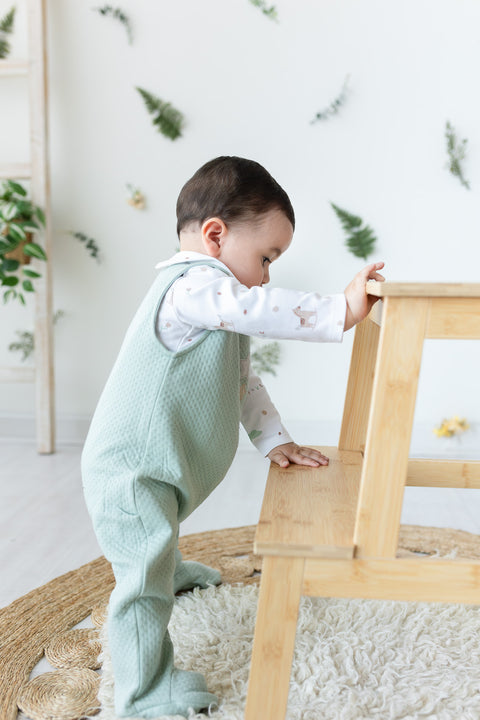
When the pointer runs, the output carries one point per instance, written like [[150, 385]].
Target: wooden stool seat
[[310, 512], [333, 531]]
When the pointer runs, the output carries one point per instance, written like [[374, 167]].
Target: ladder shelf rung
[[17, 374], [17, 171], [14, 67]]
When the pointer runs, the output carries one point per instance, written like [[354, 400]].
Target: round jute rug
[[36, 622]]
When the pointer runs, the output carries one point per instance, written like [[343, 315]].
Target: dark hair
[[233, 189]]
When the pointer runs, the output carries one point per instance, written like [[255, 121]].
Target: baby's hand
[[283, 455], [359, 303]]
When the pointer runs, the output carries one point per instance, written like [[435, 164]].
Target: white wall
[[250, 86]]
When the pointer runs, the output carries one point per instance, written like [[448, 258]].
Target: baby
[[165, 430]]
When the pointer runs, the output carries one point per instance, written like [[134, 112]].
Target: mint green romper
[[163, 436]]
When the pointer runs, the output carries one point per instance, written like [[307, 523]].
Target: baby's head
[[233, 209]]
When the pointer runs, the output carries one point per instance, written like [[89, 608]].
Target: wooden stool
[[333, 531]]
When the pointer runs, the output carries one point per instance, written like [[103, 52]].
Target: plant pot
[[18, 253]]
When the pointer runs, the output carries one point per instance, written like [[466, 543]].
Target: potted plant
[[19, 220]]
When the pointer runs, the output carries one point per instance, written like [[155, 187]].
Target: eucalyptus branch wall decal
[[334, 106], [265, 357], [270, 12], [26, 339], [90, 244], [117, 14], [456, 154]]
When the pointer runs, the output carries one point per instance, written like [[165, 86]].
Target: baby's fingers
[[370, 271], [309, 456], [291, 452], [277, 456]]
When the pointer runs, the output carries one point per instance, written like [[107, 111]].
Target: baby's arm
[[209, 299], [262, 422], [260, 418], [359, 303]]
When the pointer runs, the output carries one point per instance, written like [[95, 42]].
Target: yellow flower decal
[[136, 199], [451, 427]]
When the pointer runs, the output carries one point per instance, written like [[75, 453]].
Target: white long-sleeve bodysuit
[[205, 298]]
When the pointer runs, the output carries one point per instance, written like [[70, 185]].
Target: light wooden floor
[[46, 530]]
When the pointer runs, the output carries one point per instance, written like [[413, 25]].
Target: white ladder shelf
[[37, 171]]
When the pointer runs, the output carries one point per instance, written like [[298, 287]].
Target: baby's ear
[[213, 232]]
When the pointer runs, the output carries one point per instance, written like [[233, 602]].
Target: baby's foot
[[190, 574], [188, 690]]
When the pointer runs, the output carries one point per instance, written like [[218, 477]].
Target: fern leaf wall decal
[[360, 240], [167, 119]]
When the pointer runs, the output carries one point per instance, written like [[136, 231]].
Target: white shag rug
[[381, 660]]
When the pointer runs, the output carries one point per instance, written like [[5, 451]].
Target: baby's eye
[[264, 260]]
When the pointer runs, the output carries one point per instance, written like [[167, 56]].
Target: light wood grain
[[13, 67], [310, 514], [456, 318], [443, 473], [37, 171], [393, 289], [274, 639], [425, 579], [389, 429], [310, 511], [40, 192], [15, 171], [353, 431], [375, 314], [17, 374]]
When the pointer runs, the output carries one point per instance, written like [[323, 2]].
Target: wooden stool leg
[[359, 389], [274, 641], [392, 410]]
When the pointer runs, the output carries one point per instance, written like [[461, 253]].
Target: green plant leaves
[[30, 273], [16, 233], [15, 188], [40, 215], [34, 250], [9, 211], [19, 219], [9, 265], [5, 247]]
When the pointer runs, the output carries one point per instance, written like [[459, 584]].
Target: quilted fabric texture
[[163, 435]]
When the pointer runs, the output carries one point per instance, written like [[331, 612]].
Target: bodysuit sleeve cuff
[[265, 443], [339, 311]]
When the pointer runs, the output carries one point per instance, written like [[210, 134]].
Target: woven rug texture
[[341, 663]]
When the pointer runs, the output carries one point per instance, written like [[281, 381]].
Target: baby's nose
[[266, 276]]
